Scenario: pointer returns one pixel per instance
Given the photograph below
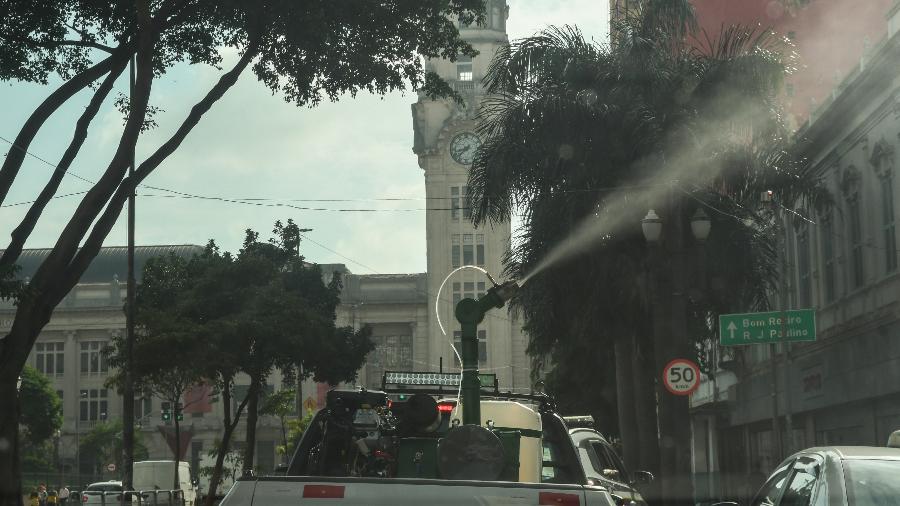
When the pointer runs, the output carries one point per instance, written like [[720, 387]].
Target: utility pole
[[128, 394]]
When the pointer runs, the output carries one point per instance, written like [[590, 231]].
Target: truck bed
[[301, 490]]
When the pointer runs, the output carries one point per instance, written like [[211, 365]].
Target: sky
[[254, 145]]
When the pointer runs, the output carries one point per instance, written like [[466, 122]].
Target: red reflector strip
[[445, 408], [323, 492], [558, 499]]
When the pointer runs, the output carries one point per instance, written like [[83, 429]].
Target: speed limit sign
[[681, 376]]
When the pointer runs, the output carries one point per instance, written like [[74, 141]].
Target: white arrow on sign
[[731, 328]]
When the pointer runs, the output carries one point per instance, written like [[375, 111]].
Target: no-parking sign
[[681, 376]]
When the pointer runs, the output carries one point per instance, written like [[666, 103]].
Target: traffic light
[[166, 415], [179, 415]]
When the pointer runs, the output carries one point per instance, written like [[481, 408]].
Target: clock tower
[[445, 141]]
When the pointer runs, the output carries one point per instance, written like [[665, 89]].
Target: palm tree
[[581, 139]]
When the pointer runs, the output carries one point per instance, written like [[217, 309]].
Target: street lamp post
[[667, 252]]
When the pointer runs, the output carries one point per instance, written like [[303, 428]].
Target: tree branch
[[106, 221], [47, 275], [50, 44], [26, 226], [17, 151]]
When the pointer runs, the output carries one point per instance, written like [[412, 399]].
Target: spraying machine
[[428, 425]]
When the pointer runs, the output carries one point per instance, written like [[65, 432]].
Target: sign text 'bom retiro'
[[768, 327]]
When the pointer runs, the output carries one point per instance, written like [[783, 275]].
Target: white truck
[[150, 475], [407, 446]]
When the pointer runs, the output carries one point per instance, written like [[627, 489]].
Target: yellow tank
[[515, 415]]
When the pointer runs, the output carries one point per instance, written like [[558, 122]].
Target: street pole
[[784, 296], [128, 393]]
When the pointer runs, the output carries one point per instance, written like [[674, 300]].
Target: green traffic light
[[166, 416]]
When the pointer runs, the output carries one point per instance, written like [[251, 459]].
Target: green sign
[[769, 327]]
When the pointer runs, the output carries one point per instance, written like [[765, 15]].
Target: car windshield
[[672, 222], [872, 482]]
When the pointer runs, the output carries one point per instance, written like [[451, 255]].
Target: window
[[887, 220], [92, 359], [473, 290], [856, 246], [769, 492], [391, 353], [467, 248], [143, 407], [800, 490], [606, 462], [828, 256], [459, 201], [464, 68], [803, 267], [482, 344], [872, 481], [49, 358], [94, 405], [479, 249]]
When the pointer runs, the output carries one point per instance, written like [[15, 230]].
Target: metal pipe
[[470, 313]]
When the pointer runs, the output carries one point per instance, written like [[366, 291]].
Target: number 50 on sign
[[681, 376]]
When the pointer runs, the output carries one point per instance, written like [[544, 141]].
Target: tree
[[282, 404], [583, 139], [40, 419], [41, 409], [306, 51], [102, 445], [296, 427], [262, 310]]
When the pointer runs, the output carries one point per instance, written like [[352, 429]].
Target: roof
[[111, 262], [857, 452]]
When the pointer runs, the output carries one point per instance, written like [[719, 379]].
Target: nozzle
[[507, 290]]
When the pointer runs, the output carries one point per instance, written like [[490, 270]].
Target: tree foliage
[[581, 131], [295, 429], [41, 412]]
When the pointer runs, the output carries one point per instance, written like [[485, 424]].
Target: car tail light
[[323, 492], [558, 499], [83, 497], [446, 407]]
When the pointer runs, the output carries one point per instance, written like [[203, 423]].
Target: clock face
[[463, 147]]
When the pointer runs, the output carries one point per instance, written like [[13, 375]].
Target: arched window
[[850, 184], [882, 161]]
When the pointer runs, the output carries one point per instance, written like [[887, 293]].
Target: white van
[[159, 474]]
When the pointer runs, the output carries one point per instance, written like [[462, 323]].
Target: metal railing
[[134, 497]]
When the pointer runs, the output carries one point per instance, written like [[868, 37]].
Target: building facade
[[844, 388], [400, 308]]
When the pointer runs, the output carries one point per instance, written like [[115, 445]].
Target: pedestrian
[[42, 494], [33, 499], [64, 494]]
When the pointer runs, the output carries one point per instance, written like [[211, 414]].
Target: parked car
[[603, 466], [833, 476], [93, 494]]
